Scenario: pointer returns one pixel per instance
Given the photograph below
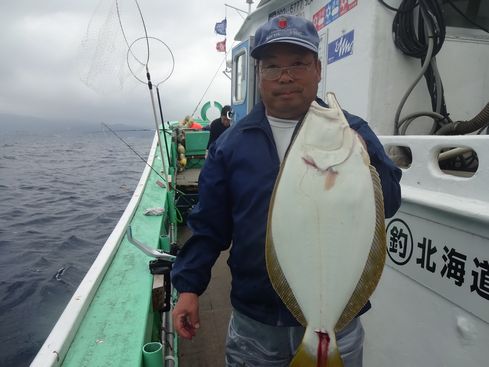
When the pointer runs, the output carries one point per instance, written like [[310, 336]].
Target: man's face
[[289, 96]]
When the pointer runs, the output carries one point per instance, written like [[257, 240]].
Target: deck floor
[[206, 349], [188, 177]]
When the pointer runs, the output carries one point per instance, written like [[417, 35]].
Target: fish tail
[[334, 359], [303, 359]]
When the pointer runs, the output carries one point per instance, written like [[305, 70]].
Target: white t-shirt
[[282, 133]]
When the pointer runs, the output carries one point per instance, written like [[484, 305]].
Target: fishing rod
[[162, 122], [134, 151], [150, 87], [148, 81], [142, 158]]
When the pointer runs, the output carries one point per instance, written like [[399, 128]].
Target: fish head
[[327, 139]]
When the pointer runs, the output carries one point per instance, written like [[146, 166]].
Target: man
[[235, 186], [219, 125]]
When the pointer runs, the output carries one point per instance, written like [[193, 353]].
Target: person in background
[[207, 127], [219, 125], [189, 123], [235, 188]]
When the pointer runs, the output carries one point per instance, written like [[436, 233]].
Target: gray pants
[[253, 344]]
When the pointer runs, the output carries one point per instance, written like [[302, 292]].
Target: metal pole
[[235, 8], [150, 86], [249, 5]]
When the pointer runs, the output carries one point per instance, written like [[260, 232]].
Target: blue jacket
[[235, 187]]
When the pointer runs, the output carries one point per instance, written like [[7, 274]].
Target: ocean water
[[60, 197]]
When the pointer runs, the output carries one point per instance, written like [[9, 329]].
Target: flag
[[221, 46], [220, 27]]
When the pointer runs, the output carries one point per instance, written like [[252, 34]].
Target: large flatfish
[[325, 247]]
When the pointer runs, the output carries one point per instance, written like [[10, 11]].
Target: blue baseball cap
[[286, 29]]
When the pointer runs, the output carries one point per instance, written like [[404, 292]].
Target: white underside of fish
[[322, 219]]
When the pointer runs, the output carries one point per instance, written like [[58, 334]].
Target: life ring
[[205, 108]]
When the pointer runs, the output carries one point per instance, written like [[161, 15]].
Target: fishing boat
[[432, 303]]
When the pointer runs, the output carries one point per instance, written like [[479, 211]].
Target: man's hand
[[186, 315]]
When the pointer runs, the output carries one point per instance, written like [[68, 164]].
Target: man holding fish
[[285, 185]]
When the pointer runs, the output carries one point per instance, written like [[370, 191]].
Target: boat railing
[[433, 294], [58, 342], [424, 182]]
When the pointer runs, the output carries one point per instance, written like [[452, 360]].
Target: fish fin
[[375, 262], [304, 359], [275, 272], [280, 283]]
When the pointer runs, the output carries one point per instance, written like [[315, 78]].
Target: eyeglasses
[[275, 72]]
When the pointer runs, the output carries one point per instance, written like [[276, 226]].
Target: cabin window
[[239, 76], [475, 12]]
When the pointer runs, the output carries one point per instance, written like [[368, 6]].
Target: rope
[[212, 80]]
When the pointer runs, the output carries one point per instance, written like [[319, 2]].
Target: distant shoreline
[[27, 124]]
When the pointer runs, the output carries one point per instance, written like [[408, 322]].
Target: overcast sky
[[52, 49]]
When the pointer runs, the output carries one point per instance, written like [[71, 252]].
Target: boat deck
[[188, 177], [206, 349]]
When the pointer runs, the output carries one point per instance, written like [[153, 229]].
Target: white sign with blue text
[[450, 261]]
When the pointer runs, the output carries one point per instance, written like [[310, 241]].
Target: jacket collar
[[255, 119]]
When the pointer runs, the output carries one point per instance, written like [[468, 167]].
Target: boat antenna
[[249, 2], [240, 11]]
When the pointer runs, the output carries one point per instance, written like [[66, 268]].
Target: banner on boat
[[324, 16], [296, 8], [332, 11], [451, 262], [341, 47]]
